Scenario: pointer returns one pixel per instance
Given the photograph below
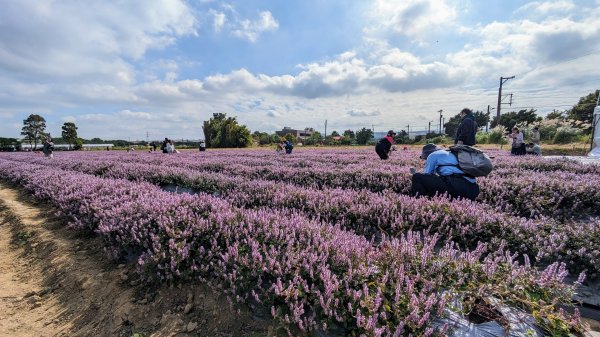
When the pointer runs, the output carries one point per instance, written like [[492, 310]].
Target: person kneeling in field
[[442, 175], [384, 146], [534, 149]]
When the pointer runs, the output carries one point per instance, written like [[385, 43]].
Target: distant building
[[28, 147], [298, 133], [379, 135]]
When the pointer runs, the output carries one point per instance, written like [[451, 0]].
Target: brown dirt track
[[58, 282]]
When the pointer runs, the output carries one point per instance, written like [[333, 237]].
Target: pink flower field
[[329, 241]]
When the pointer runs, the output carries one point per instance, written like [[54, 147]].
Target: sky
[[151, 69]]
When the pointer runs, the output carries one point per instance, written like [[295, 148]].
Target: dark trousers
[[455, 185], [519, 151], [382, 151]]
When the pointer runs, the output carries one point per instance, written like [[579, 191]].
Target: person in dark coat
[[384, 146], [465, 134]]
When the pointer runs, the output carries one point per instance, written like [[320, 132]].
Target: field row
[[372, 214], [524, 192], [310, 273]]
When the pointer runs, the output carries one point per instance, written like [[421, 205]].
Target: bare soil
[[55, 281]]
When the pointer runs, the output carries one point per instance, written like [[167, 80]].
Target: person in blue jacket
[[288, 147], [442, 175]]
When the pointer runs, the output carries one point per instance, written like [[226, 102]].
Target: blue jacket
[[437, 160]]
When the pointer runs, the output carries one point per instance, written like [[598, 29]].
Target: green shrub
[[497, 136], [565, 135], [482, 137]]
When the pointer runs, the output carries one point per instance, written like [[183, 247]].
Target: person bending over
[[384, 146], [442, 175]]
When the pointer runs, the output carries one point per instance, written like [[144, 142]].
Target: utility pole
[[440, 111], [429, 128], [488, 114], [443, 122], [325, 130], [502, 81], [408, 130]]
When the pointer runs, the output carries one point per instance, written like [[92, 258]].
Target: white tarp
[[596, 149]]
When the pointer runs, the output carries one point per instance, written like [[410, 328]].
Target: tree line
[[221, 131]]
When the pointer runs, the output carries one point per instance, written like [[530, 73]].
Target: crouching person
[[384, 146], [443, 175]]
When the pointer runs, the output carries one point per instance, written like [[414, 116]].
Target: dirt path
[[58, 282]]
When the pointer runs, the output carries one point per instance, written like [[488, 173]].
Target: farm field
[[329, 241]]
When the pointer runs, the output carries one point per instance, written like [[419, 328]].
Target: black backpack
[[472, 161]]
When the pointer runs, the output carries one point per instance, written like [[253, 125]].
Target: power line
[[561, 62]]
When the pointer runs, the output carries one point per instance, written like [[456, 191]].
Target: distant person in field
[[442, 175], [280, 147], [465, 134], [163, 146], [288, 146], [48, 147], [535, 135], [384, 146], [518, 144], [170, 146], [533, 149], [153, 146], [201, 146]]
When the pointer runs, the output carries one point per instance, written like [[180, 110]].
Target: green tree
[[481, 118], [555, 114], [291, 138], [78, 144], [452, 125], [33, 129], [349, 134], [264, 139], [583, 111], [523, 117], [69, 133], [275, 138], [313, 139], [222, 131], [9, 144], [363, 136], [96, 140], [346, 140], [402, 138], [334, 134]]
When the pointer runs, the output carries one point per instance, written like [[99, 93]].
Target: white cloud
[[251, 30], [354, 113], [521, 45], [413, 18], [75, 40], [219, 20], [547, 7], [96, 63]]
